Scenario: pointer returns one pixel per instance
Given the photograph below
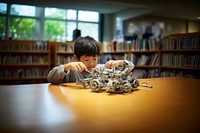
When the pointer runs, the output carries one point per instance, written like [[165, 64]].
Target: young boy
[[86, 52]]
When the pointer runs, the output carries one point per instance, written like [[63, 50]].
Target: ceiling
[[183, 9]]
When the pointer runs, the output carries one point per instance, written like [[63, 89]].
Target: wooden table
[[172, 105]]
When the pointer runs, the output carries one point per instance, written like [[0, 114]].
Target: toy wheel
[[95, 85], [127, 87], [135, 83]]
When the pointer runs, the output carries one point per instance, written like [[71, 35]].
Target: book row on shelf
[[181, 60], [171, 42], [65, 48], [61, 59], [107, 57], [145, 73], [9, 45], [24, 73], [142, 59], [181, 42], [23, 59], [166, 44], [135, 45], [144, 44], [139, 44], [115, 46]]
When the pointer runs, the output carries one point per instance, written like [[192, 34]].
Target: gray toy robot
[[116, 80]]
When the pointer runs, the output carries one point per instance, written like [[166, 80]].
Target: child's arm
[[116, 63], [126, 64], [76, 66], [56, 75], [60, 73]]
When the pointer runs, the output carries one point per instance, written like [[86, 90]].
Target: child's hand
[[114, 63], [76, 66]]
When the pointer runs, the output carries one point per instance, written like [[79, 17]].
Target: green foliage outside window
[[54, 29], [22, 28], [2, 24], [2, 27]]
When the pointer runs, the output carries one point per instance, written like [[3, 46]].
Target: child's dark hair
[[86, 46]]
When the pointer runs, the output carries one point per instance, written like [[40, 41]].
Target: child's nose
[[92, 63]]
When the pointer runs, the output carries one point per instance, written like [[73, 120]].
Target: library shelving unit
[[24, 62], [175, 55], [144, 54], [114, 51], [118, 55], [62, 52], [147, 63], [180, 55]]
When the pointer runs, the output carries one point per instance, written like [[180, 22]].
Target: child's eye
[[85, 60]]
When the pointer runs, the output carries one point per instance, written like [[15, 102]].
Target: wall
[[171, 25], [194, 26], [108, 27]]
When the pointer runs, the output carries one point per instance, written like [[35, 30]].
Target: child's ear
[[76, 58]]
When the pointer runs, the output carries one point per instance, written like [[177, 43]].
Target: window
[[2, 27], [59, 24], [22, 22], [55, 13], [89, 29], [70, 27], [55, 30], [22, 10], [88, 16], [3, 8], [71, 14], [90, 26], [52, 24]]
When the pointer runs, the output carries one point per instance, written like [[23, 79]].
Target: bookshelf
[[146, 62], [62, 53], [175, 55], [24, 61], [119, 55], [144, 53], [114, 51], [180, 55]]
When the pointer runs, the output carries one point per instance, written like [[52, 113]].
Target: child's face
[[89, 61]]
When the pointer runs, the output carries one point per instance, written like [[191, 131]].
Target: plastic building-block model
[[116, 80]]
